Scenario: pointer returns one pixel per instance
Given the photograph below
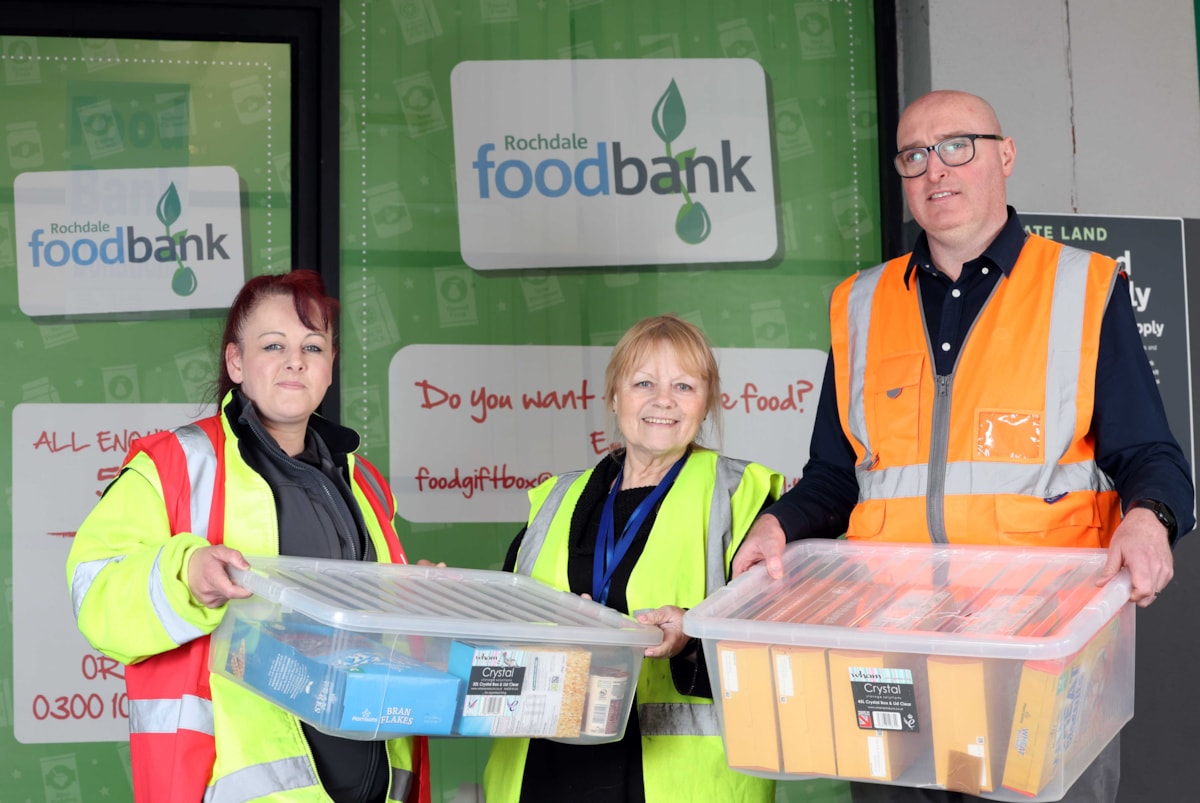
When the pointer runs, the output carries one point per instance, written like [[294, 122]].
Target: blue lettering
[[526, 178], [482, 165], [59, 246], [600, 162], [564, 178], [85, 251], [553, 177], [35, 246]]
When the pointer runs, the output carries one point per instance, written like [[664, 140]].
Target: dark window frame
[[309, 27]]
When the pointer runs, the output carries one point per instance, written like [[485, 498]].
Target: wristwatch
[[1162, 512]]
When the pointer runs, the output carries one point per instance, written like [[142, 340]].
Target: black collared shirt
[[1134, 444]]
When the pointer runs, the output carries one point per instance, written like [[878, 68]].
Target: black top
[[318, 518], [611, 772]]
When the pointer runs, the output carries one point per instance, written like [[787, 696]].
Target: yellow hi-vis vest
[[194, 735], [1000, 450], [700, 524]]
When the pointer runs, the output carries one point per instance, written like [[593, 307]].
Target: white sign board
[[473, 428], [64, 455], [613, 162], [92, 242]]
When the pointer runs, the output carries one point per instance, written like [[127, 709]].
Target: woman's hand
[[424, 562], [208, 578], [670, 621]]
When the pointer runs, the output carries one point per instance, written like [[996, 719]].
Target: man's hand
[[764, 542], [208, 579], [669, 620], [1140, 542]]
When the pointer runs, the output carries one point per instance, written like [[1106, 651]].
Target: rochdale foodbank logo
[[111, 241], [613, 162]]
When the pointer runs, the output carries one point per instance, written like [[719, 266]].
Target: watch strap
[[1162, 512]]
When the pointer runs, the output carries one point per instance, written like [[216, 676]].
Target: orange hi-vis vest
[[1000, 450], [171, 719]]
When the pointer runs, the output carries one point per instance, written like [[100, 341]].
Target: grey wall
[[1101, 96], [1103, 101]]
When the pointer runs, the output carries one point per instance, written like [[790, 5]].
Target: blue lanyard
[[609, 550]]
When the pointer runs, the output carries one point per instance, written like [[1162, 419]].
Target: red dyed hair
[[315, 309]]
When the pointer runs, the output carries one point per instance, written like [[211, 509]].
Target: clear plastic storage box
[[377, 651], [1001, 672]]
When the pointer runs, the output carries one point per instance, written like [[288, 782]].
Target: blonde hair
[[690, 347]]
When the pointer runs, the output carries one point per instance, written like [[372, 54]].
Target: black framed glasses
[[953, 151]]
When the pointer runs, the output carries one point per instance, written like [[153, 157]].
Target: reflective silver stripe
[[535, 533], [678, 719], [83, 576], [862, 295], [202, 473], [401, 781], [168, 716], [262, 780], [202, 476], [376, 488], [1063, 356], [178, 629], [984, 478], [720, 520]]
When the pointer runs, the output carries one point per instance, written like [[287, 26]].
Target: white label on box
[[729, 678], [606, 692], [520, 691], [783, 677], [977, 750], [877, 755]]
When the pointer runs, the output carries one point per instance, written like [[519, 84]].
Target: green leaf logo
[[692, 223], [669, 116], [169, 206], [183, 280]]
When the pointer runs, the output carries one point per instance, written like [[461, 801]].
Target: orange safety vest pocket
[[895, 398], [1009, 436], [866, 520], [1071, 520]]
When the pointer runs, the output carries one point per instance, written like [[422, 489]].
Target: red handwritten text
[[109, 441], [483, 478], [436, 397], [50, 440], [482, 401], [752, 400], [101, 667], [106, 440], [80, 706], [567, 400]]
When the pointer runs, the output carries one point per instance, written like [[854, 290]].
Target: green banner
[[521, 181]]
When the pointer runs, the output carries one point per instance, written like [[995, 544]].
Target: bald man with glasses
[[990, 387]]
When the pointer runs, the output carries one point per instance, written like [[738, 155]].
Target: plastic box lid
[[438, 601], [1027, 603]]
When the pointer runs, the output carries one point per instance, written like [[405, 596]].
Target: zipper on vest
[[939, 449]]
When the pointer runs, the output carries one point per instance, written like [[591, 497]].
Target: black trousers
[[1097, 784]]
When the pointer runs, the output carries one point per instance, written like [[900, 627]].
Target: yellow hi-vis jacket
[[196, 736], [1000, 450], [700, 524]]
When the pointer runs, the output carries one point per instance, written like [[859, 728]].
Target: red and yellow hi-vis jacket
[[196, 736]]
